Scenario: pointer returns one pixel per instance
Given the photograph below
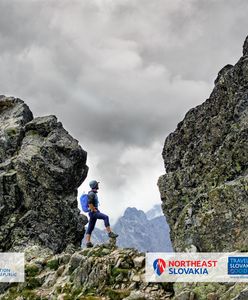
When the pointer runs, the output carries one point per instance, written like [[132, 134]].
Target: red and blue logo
[[159, 266], [184, 266]]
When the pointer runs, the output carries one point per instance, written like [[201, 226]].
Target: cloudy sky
[[119, 75]]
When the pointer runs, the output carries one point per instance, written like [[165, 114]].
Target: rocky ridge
[[102, 272]]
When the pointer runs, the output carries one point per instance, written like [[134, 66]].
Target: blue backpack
[[84, 203]]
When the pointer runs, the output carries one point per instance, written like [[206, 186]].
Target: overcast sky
[[119, 75]]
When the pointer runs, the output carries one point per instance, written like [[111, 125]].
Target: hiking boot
[[89, 245], [112, 234]]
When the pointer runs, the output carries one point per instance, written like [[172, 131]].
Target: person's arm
[[92, 207], [91, 202]]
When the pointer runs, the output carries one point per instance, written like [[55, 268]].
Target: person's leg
[[108, 229], [90, 228], [87, 238], [104, 217]]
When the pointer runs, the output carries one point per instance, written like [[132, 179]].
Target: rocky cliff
[[205, 189], [41, 167]]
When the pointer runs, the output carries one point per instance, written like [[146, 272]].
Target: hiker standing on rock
[[95, 214]]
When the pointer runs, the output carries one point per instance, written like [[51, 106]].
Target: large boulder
[[41, 167], [205, 189]]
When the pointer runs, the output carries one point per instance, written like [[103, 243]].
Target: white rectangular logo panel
[[196, 267], [11, 267]]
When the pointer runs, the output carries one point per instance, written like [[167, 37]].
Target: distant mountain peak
[[134, 213]]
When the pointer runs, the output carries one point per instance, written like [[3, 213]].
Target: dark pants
[[93, 217]]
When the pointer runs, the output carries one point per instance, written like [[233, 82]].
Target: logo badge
[[159, 266], [237, 265]]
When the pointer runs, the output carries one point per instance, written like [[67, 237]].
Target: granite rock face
[[205, 189], [41, 167]]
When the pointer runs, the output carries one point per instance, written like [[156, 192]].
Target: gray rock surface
[[205, 189], [41, 167]]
